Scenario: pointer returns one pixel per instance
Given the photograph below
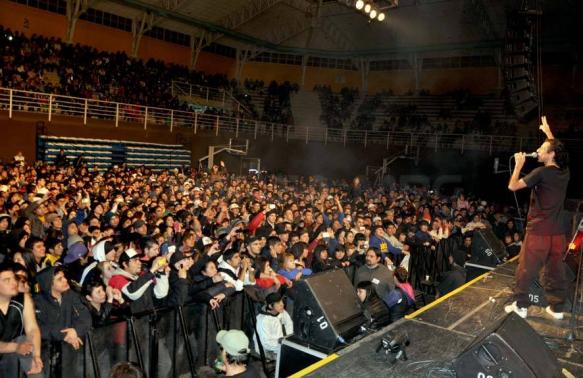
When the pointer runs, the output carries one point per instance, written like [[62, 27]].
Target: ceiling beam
[[240, 17], [267, 45]]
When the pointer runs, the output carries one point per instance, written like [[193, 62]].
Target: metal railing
[[164, 342], [15, 101], [220, 95]]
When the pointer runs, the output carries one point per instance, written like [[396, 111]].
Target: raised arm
[[545, 128]]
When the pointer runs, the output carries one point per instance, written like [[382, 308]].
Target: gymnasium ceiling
[[328, 27]]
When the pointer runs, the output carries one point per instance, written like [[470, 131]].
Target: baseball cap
[[233, 206], [127, 255], [75, 252], [101, 249], [234, 342], [73, 239]]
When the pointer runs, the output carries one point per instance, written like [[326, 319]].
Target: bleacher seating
[[446, 113], [106, 153]]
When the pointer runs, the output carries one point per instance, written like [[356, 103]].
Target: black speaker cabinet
[[509, 349], [487, 249], [326, 310]]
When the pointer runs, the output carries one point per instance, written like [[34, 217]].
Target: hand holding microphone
[[520, 157]]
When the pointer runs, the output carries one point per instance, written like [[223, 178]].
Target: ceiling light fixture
[[359, 4]]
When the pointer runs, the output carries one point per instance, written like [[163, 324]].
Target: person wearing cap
[[234, 210], [140, 227], [273, 324], [76, 259], [103, 251], [61, 315], [35, 212], [141, 289], [234, 357]]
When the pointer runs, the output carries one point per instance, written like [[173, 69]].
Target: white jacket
[[238, 283], [269, 328]]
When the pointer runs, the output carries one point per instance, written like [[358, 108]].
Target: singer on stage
[[544, 241]]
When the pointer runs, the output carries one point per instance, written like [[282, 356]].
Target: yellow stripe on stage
[[451, 294], [334, 356], [315, 366]]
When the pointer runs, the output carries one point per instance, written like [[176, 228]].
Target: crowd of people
[[79, 247], [336, 107], [85, 72]]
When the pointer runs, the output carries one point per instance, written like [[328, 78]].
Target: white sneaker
[[520, 311], [555, 315]]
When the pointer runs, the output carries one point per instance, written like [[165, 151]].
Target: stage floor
[[439, 331]]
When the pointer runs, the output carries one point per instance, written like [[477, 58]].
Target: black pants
[[11, 364], [538, 251]]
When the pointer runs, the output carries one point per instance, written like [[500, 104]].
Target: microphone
[[532, 155]]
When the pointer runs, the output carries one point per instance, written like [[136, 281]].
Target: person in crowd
[[190, 243], [99, 300], [234, 356], [402, 297], [127, 370], [376, 273], [292, 269], [273, 324], [141, 288], [20, 336], [62, 317], [374, 309], [236, 270]]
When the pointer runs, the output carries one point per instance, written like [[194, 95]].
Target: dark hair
[[92, 284], [368, 288], [147, 243], [273, 241], [32, 241], [7, 266], [376, 251], [561, 153], [260, 262], [29, 261], [298, 249], [229, 253], [401, 274], [126, 370]]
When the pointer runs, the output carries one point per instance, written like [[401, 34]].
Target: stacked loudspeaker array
[[519, 65]]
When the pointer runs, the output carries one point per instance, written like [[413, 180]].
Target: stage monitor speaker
[[294, 356], [327, 312], [509, 349], [487, 249]]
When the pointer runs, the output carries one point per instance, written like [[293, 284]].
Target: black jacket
[[53, 316]]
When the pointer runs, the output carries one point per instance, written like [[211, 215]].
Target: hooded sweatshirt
[[54, 316], [270, 329], [141, 291]]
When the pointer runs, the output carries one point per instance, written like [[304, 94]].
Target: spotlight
[[373, 14], [381, 17], [367, 8], [359, 4], [9, 37]]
